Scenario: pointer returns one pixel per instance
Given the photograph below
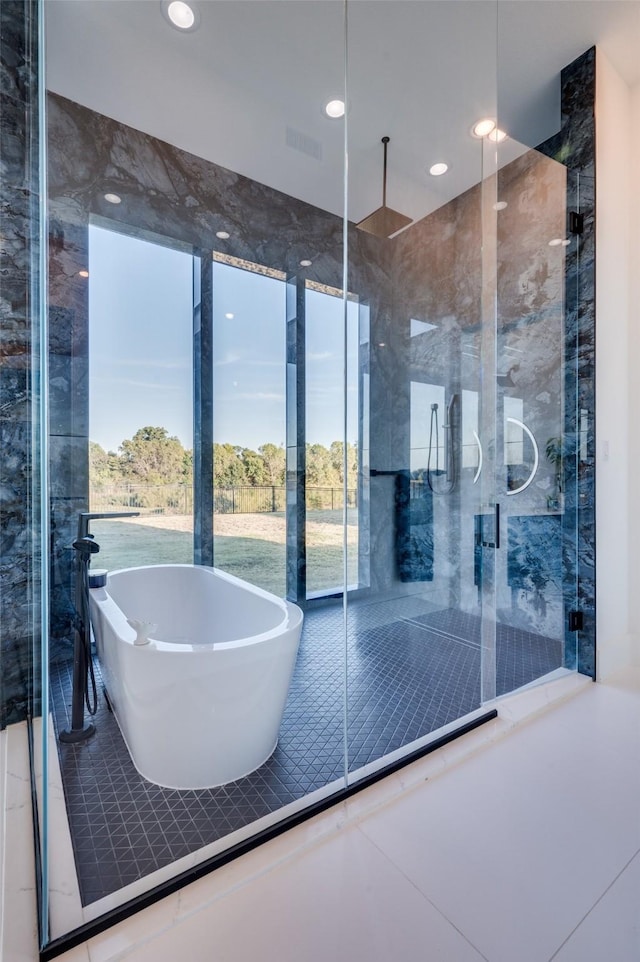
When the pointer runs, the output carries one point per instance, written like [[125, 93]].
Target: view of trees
[[152, 456]]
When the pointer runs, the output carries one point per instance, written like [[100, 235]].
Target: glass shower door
[[421, 638], [536, 414]]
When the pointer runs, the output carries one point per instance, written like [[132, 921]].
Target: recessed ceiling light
[[483, 127], [566, 243], [437, 169], [113, 198], [559, 242], [181, 15], [229, 316], [497, 135], [500, 205], [83, 273], [222, 234], [382, 343], [334, 109], [306, 263]]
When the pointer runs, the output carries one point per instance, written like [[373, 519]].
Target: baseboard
[[617, 654]]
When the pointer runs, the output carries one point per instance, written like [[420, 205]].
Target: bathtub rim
[[292, 614]]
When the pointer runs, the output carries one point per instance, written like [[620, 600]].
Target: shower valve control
[[494, 541], [576, 621], [576, 222]]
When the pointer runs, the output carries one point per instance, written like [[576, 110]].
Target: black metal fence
[[244, 499]]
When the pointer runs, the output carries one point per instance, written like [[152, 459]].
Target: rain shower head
[[384, 221]]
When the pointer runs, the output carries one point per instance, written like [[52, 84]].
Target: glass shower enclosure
[[302, 354]]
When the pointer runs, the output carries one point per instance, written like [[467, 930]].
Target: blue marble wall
[[575, 146], [68, 416], [19, 293], [414, 528], [578, 151]]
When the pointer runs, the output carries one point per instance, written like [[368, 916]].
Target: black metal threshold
[[87, 931], [35, 819]]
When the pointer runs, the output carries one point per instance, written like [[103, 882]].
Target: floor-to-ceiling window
[[140, 393], [249, 335], [331, 359]]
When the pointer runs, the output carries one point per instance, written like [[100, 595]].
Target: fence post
[[233, 500]]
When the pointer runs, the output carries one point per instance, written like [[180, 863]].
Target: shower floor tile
[[412, 669]]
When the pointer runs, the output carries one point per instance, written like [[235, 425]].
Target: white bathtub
[[201, 704]]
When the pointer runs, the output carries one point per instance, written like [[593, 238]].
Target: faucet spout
[[86, 516]]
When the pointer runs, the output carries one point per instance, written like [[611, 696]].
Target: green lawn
[[256, 560]]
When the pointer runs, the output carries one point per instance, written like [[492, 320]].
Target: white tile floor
[[527, 851]]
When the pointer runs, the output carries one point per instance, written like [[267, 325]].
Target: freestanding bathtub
[[201, 703]]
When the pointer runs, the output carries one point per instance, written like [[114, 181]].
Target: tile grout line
[[388, 858], [597, 902]]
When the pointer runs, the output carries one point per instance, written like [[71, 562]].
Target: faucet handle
[[143, 629], [86, 545]]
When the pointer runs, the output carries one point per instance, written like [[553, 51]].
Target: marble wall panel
[[575, 147], [68, 312], [173, 194], [203, 407], [19, 225]]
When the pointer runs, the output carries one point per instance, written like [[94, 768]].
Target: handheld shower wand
[[449, 452]]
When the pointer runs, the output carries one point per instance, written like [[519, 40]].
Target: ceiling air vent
[[302, 142]]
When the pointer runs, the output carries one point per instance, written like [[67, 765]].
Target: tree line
[[154, 457]]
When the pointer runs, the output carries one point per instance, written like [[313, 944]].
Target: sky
[[140, 349]]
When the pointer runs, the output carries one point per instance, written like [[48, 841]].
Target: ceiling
[[246, 89]]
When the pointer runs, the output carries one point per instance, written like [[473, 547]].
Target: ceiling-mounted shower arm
[[384, 221], [385, 141]]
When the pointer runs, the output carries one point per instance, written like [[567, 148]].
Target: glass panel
[[386, 447], [487, 521], [43, 751], [416, 635], [545, 367], [535, 587], [181, 243]]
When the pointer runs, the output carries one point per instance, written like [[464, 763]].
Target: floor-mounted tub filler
[[197, 665]]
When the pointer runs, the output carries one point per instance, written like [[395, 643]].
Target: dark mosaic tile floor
[[412, 669]]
